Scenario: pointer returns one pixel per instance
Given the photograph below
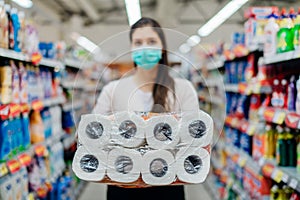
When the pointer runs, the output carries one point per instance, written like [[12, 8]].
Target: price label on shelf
[[3, 169], [24, 159], [292, 120], [251, 129], [267, 170], [25, 108], [40, 150], [285, 178], [277, 175], [4, 111], [242, 161], [293, 183], [269, 114], [13, 166], [279, 117], [37, 105]]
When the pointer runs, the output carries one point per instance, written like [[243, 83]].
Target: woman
[[150, 88]]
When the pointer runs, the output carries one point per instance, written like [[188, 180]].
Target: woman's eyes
[[149, 42]]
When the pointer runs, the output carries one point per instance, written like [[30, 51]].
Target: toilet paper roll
[[89, 166], [124, 165], [94, 131], [162, 132], [196, 129], [192, 164], [128, 130], [158, 167]]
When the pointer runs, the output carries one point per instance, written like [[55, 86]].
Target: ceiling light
[[24, 3], [184, 48], [85, 43], [228, 10], [133, 10], [193, 40]]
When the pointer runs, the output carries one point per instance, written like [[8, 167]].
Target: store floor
[[94, 191]]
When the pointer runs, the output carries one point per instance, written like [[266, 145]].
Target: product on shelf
[[271, 30], [36, 127], [4, 27], [285, 36]]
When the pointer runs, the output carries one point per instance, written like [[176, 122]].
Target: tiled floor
[[94, 191]]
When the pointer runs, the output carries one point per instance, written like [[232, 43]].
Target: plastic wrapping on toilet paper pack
[[196, 129], [89, 166], [162, 132], [94, 131], [128, 130], [149, 149], [124, 165]]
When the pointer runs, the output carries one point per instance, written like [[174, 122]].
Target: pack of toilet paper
[[133, 149]]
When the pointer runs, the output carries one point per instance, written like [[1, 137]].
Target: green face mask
[[146, 58]]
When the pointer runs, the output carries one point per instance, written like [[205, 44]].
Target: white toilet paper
[[128, 130], [162, 132], [124, 165], [94, 131], [192, 164], [89, 166], [196, 129], [158, 167]]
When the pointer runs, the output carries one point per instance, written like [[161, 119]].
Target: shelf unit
[[282, 57]]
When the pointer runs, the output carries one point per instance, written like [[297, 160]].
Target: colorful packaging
[[250, 32], [271, 30], [10, 28], [246, 143], [5, 75], [46, 117], [298, 157], [291, 101], [296, 31], [36, 127], [15, 83], [298, 96], [4, 26], [21, 34], [23, 83], [285, 35], [25, 131], [291, 149], [281, 148], [5, 142], [19, 134], [16, 27], [6, 188], [31, 44]]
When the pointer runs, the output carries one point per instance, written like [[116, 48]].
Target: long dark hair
[[164, 82]]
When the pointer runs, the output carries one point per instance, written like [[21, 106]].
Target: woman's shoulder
[[182, 82]]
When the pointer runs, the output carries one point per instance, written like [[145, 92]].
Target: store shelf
[[287, 175], [282, 57], [54, 101], [280, 116], [232, 88], [14, 55], [243, 195], [52, 63], [213, 65], [73, 84], [78, 64], [72, 105]]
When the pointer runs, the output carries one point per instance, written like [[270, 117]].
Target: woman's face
[[145, 36]]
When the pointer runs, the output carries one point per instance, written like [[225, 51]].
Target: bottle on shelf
[[296, 31], [275, 95], [281, 147], [270, 31], [291, 148], [291, 95], [285, 34], [250, 31], [4, 26]]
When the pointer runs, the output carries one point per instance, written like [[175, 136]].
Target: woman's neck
[[145, 79]]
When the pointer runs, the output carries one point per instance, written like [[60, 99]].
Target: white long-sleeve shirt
[[126, 95]]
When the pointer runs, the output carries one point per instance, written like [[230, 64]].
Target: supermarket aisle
[[94, 191]]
